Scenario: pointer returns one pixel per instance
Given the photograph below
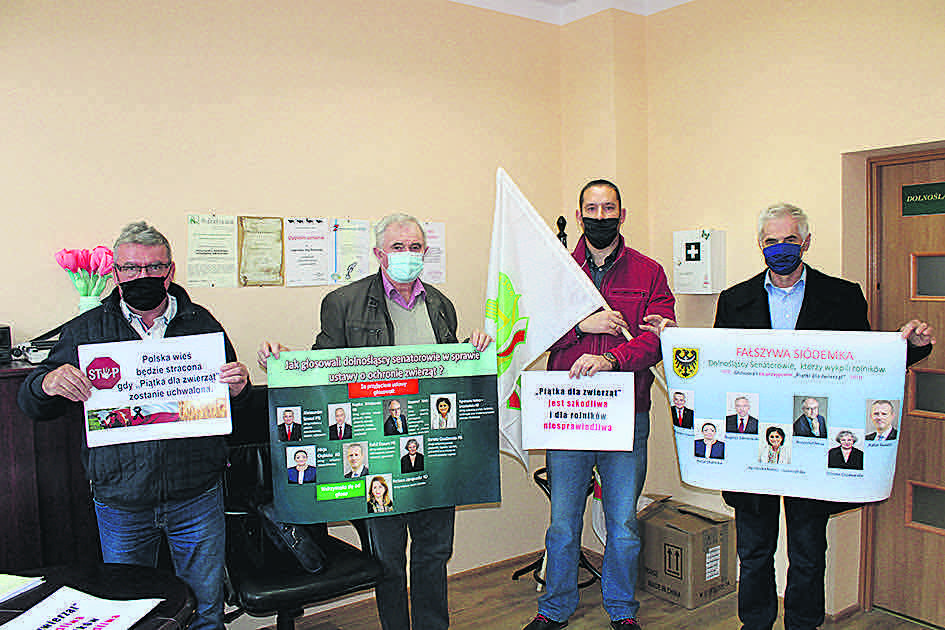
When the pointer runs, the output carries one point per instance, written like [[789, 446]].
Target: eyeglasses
[[134, 270]]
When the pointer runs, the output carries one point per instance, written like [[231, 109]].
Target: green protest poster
[[363, 431]]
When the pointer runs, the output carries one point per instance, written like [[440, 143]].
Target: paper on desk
[[69, 608], [13, 585]]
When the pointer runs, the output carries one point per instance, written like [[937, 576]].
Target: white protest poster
[[309, 251], [155, 390], [786, 412], [577, 414], [68, 608], [211, 251]]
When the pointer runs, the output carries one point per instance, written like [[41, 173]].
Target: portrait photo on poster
[[289, 423], [443, 411], [300, 462], [395, 417], [682, 404], [339, 418], [848, 453], [775, 443], [356, 460], [380, 495], [412, 447], [882, 422], [741, 413], [811, 413], [709, 443]]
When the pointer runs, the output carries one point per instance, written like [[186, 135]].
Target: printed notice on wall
[[434, 262], [155, 390], [326, 251], [211, 251], [577, 414], [260, 246]]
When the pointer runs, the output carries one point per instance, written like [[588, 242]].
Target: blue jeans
[[622, 475], [195, 533], [756, 528], [431, 545]]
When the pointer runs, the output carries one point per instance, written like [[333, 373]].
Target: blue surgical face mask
[[782, 258], [404, 266]]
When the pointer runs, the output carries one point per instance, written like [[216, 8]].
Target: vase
[[88, 302]]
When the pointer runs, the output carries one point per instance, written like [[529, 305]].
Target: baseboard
[[849, 611]]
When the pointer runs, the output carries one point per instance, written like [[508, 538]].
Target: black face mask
[[600, 232], [144, 293]]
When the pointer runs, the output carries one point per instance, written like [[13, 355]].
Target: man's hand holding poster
[[397, 429], [155, 390], [808, 414]]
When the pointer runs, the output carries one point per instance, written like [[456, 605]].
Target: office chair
[[262, 579]]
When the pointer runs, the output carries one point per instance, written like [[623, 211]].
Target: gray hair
[[845, 432], [398, 218], [140, 233], [779, 211]]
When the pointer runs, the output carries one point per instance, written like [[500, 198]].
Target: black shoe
[[626, 624], [540, 622]]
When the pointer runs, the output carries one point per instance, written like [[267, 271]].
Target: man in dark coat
[[150, 489], [790, 295], [393, 307]]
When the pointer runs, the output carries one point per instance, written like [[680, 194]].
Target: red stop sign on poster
[[104, 372]]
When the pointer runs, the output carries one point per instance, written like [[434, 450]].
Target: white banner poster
[[155, 390], [800, 413], [577, 414], [69, 609]]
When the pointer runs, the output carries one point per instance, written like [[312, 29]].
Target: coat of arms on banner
[[685, 362]]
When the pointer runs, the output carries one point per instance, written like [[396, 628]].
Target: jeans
[[431, 545], [195, 533], [622, 474], [757, 539]]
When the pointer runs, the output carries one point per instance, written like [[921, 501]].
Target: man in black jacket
[[390, 308], [144, 490], [790, 295]]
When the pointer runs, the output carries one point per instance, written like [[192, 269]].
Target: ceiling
[[565, 11]]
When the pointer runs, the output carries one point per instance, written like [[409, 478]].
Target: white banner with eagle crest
[[810, 414]]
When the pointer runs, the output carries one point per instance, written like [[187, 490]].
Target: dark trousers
[[431, 545], [757, 520]]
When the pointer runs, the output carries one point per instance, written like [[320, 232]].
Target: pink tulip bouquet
[[89, 270]]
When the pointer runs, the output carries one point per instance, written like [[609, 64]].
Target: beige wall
[[114, 111], [704, 113]]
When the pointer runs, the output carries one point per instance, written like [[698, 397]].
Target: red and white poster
[[155, 390]]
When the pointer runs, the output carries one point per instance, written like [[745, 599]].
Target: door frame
[[873, 162]]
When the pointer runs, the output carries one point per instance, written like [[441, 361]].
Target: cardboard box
[[688, 553]]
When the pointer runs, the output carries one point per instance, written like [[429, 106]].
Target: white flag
[[536, 293]]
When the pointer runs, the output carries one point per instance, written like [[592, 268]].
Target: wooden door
[[906, 533]]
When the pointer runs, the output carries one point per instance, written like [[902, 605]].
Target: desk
[[47, 516], [114, 581]]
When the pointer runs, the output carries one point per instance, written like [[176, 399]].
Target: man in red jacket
[[634, 286]]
